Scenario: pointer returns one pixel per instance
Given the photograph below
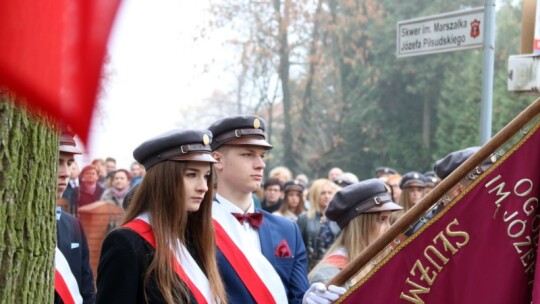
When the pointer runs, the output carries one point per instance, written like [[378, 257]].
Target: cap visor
[[69, 149], [201, 157], [414, 184], [250, 141], [390, 206]]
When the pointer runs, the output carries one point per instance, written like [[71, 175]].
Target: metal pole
[[487, 71]]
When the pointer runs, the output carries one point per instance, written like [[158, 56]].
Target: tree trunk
[[28, 161], [284, 65]]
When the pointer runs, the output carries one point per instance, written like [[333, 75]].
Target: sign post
[[455, 31], [447, 32]]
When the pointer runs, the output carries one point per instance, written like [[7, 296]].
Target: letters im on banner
[[481, 248]]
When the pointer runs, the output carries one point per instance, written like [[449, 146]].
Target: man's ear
[[219, 165]]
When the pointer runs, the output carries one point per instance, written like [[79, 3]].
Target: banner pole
[[410, 217]]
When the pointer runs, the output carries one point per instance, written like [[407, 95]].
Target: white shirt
[[249, 233]]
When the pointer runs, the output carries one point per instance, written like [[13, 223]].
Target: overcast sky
[[154, 68]]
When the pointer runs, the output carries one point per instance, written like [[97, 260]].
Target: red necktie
[[254, 219]]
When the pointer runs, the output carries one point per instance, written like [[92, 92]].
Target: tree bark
[[284, 65], [28, 162]]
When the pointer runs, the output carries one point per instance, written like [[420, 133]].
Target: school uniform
[[73, 246], [277, 255], [125, 258]]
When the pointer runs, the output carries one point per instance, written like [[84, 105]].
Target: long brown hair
[[161, 194], [285, 205], [354, 238]]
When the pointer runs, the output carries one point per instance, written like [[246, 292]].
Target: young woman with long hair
[[293, 201], [317, 232], [165, 251], [362, 211]]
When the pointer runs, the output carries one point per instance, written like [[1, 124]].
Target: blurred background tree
[[324, 74]]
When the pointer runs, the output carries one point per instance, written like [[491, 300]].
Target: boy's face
[[241, 167], [64, 162]]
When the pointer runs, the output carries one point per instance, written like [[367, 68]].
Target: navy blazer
[[71, 241], [291, 270]]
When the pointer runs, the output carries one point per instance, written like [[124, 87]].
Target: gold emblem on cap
[[256, 123], [206, 139]]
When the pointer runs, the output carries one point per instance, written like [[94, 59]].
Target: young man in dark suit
[[261, 257], [74, 281]]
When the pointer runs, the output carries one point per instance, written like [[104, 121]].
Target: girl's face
[[415, 194], [381, 225], [293, 199], [195, 179], [325, 196]]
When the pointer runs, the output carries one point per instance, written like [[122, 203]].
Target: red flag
[[51, 53], [481, 248]]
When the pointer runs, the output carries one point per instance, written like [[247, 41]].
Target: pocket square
[[282, 250], [74, 245]]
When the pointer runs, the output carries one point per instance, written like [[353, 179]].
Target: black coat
[[71, 241], [125, 257]]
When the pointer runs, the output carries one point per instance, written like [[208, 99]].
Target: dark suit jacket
[[71, 241], [71, 194], [291, 270], [125, 257]]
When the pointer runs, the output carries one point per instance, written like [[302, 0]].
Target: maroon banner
[[481, 248], [51, 53]]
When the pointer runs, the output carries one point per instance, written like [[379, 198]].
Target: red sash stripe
[[145, 231], [61, 288], [242, 266]]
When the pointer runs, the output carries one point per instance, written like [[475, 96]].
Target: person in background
[[110, 165], [90, 190], [261, 256], [443, 168], [273, 193], [362, 211], [393, 182], [384, 172], [101, 168], [432, 180], [346, 179], [412, 189], [334, 173], [293, 201], [282, 173], [119, 188], [74, 282], [72, 191], [137, 173], [304, 181], [165, 251], [317, 232]]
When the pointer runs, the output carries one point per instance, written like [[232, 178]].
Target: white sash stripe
[[191, 268], [258, 261], [62, 266]]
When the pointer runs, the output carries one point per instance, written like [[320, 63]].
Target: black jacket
[[125, 257], [71, 241]]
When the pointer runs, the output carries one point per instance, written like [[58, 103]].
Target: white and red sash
[[255, 271], [183, 263], [65, 283]]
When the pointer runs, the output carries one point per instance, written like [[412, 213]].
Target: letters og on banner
[[481, 248]]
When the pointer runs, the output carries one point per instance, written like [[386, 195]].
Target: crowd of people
[[100, 180], [202, 225]]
